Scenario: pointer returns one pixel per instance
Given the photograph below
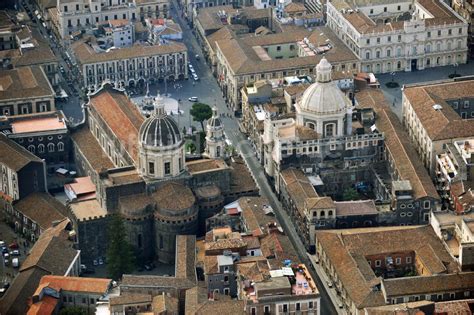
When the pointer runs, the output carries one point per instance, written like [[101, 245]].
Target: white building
[[215, 138], [130, 66], [121, 32], [400, 36], [161, 145]]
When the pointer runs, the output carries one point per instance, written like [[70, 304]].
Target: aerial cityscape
[[259, 157]]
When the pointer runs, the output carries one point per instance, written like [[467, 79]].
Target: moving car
[[195, 77], [193, 99], [197, 57], [15, 263]]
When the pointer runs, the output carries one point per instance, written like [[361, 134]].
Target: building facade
[[131, 66], [400, 36]]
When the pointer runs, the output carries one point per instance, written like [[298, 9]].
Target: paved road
[[207, 91], [394, 96]]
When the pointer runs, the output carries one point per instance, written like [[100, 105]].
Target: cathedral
[[139, 168]]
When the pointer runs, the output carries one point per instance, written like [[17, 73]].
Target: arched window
[[399, 51], [428, 62], [330, 213], [449, 45], [60, 146], [50, 147], [322, 214], [31, 148], [329, 130], [218, 151], [428, 48], [367, 55], [438, 46], [377, 54], [311, 125], [41, 148], [399, 65], [389, 52]]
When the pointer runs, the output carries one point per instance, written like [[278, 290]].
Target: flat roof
[[87, 209], [36, 124]]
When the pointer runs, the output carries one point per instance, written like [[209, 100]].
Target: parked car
[[6, 255], [15, 263], [4, 250], [193, 99], [13, 245], [2, 244], [15, 252], [197, 57], [95, 262], [195, 77], [4, 288], [101, 262]]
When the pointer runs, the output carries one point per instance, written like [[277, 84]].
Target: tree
[[201, 112], [73, 310], [120, 255], [350, 194]]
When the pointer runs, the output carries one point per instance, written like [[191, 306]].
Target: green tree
[[120, 255], [201, 112], [73, 310], [350, 194]]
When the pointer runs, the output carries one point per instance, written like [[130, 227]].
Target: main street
[[208, 92]]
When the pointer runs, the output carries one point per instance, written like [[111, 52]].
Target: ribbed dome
[[160, 130], [324, 97], [214, 121]]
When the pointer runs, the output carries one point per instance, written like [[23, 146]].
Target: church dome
[[214, 121], [160, 130], [324, 97]]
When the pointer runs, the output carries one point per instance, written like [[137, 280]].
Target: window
[[50, 147], [65, 8], [285, 308], [298, 306], [84, 300], [378, 263], [367, 55], [408, 260], [389, 39], [426, 204], [41, 148], [399, 38], [310, 305], [371, 11], [266, 309], [60, 146], [377, 54], [368, 41], [151, 168], [278, 48], [439, 33], [226, 291], [329, 130], [450, 32], [167, 168], [378, 40], [389, 52], [398, 261], [253, 311], [399, 51]]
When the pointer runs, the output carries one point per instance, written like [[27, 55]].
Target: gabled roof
[[120, 115], [41, 208], [15, 156]]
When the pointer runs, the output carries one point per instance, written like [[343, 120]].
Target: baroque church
[[321, 137], [140, 171]]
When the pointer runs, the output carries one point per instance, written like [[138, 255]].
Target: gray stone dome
[[160, 130]]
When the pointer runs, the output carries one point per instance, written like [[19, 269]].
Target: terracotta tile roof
[[86, 143], [23, 83], [293, 7], [185, 266], [15, 156], [320, 203], [46, 306], [165, 304], [224, 33], [254, 270], [208, 17], [298, 187], [346, 250], [454, 307], [253, 213], [205, 165], [39, 55], [74, 284], [278, 246], [241, 179], [38, 122], [445, 123], [358, 207], [15, 300], [210, 265], [120, 115], [224, 244], [41, 208], [156, 282], [243, 59], [85, 54], [439, 283], [397, 142], [53, 251], [362, 23], [197, 303], [130, 298], [173, 196]]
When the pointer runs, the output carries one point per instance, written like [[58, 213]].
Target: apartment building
[[44, 134], [22, 172], [436, 114], [391, 36], [25, 90], [390, 265], [465, 8], [130, 66]]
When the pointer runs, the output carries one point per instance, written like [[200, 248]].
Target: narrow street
[[243, 146]]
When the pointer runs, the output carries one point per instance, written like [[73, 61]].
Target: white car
[[195, 77], [190, 66], [193, 99]]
